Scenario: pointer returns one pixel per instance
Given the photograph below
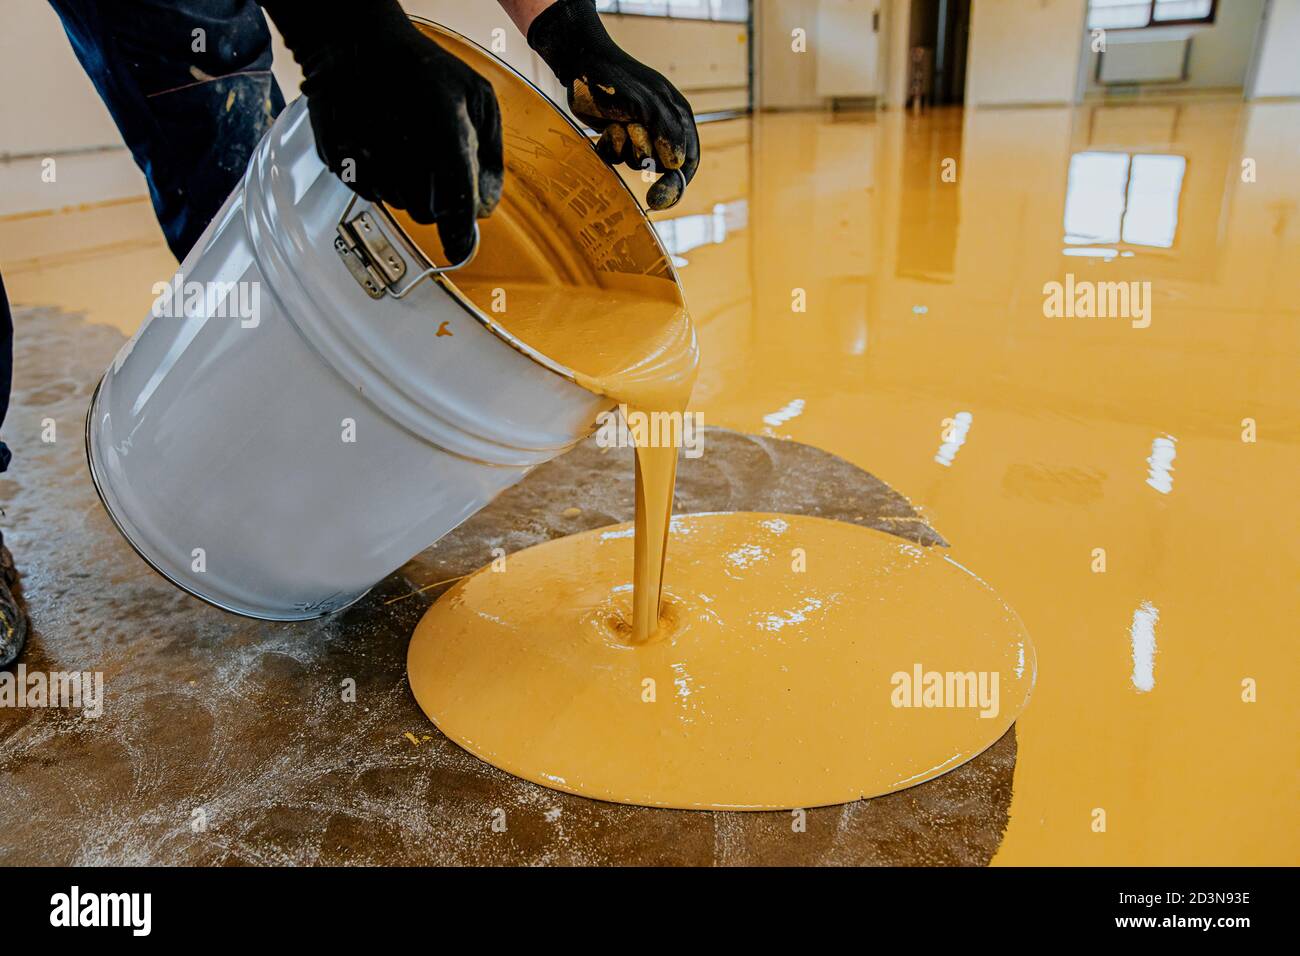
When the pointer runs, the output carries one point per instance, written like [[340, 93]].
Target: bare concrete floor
[[228, 741]]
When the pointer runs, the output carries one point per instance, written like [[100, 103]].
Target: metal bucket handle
[[375, 261]]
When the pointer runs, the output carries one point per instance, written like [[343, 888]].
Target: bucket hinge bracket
[[369, 256], [374, 261]]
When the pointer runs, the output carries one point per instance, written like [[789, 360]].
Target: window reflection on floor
[[1122, 199], [681, 234]]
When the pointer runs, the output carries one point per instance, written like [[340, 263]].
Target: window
[[733, 10], [1134, 14], [1117, 199]]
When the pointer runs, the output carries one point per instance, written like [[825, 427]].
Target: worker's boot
[[13, 612]]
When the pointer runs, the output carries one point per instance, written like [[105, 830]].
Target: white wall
[[1278, 70], [46, 102], [1024, 51], [708, 62], [898, 30], [787, 80]]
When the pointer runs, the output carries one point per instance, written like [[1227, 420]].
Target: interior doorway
[[938, 38]]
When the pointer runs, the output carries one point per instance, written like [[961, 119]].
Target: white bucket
[[220, 444]]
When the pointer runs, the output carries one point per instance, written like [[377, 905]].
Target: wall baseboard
[[57, 153], [1027, 105], [718, 116]]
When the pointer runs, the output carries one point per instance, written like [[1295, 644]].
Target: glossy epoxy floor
[[925, 303], [922, 301]]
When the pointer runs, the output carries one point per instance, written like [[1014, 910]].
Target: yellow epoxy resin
[[799, 662]]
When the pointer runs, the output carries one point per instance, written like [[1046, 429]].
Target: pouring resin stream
[[641, 352]]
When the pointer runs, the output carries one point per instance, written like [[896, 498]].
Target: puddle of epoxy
[[800, 662]]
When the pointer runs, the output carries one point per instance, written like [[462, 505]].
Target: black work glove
[[640, 114], [396, 117]]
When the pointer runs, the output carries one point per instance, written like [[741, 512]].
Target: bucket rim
[[448, 284]]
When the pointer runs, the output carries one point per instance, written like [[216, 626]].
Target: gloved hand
[[640, 114], [396, 117]]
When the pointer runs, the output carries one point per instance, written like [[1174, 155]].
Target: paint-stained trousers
[[189, 85]]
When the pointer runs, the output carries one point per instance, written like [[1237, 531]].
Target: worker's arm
[[644, 121], [395, 116]]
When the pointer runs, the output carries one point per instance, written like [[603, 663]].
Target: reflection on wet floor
[[875, 286], [1122, 199]]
